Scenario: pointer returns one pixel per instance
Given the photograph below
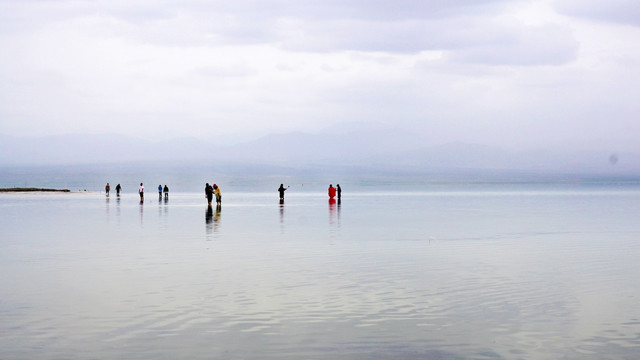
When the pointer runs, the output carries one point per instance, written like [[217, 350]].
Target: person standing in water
[[216, 192], [160, 191], [339, 191], [107, 188], [118, 188], [166, 192], [281, 190], [141, 192], [332, 191], [208, 191]]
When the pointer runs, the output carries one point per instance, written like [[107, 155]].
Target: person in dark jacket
[[208, 190], [281, 190]]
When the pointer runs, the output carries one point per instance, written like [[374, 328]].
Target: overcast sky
[[509, 73]]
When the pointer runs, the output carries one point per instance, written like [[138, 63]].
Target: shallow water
[[478, 274]]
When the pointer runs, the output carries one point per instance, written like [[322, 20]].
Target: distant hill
[[373, 151], [96, 149]]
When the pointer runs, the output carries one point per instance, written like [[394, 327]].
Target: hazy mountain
[[293, 149], [300, 149], [376, 150], [96, 149]]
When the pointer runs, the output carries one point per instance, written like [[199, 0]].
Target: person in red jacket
[[332, 191]]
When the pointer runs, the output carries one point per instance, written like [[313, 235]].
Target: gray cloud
[[618, 11], [368, 10], [465, 27], [465, 40], [545, 45], [333, 25]]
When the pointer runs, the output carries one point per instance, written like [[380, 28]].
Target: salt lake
[[520, 272]]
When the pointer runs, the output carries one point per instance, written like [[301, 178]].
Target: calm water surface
[[518, 274]]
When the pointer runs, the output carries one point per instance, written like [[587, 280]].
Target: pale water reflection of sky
[[495, 275]]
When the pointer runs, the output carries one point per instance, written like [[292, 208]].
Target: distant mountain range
[[375, 151]]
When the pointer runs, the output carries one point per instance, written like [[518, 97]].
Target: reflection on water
[[212, 221], [208, 219], [510, 276], [334, 216], [166, 207], [281, 207], [332, 211]]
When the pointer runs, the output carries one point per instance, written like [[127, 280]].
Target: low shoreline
[[30, 189]]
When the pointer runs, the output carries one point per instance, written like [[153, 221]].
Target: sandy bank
[[32, 190]]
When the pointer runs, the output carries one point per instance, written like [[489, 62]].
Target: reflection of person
[[339, 191], [166, 192], [107, 188], [208, 215], [332, 191], [216, 192], [208, 190], [216, 218], [212, 221], [281, 190], [118, 188], [141, 192]]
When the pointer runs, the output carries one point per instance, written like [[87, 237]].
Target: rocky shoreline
[[32, 190]]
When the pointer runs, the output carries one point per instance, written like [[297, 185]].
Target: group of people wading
[[107, 188], [161, 190], [333, 192], [213, 190]]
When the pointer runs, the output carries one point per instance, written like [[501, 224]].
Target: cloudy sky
[[509, 73]]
